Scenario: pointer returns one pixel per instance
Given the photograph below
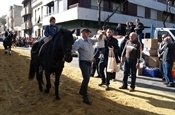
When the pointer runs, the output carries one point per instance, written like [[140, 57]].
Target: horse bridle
[[62, 45]]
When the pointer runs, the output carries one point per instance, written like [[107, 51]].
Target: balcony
[[26, 25], [45, 2], [36, 3], [25, 11]]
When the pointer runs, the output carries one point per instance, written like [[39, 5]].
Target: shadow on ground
[[36, 103]]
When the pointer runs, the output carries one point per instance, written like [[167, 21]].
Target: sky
[[5, 6]]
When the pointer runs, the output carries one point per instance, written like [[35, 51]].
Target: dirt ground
[[19, 96]]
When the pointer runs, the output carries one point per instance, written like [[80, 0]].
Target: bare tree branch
[[107, 19]]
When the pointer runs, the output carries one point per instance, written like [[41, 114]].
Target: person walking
[[84, 46], [110, 43], [99, 49]]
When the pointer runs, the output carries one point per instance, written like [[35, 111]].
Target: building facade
[[13, 19], [76, 14], [37, 18], [26, 15]]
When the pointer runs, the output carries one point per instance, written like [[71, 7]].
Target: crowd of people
[[166, 55], [127, 54]]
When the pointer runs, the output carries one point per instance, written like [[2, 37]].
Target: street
[[142, 81]]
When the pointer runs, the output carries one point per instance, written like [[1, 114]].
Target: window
[[141, 11], [153, 14]]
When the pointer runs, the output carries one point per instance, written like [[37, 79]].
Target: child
[[100, 45], [50, 31]]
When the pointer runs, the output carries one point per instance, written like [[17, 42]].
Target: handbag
[[112, 64]]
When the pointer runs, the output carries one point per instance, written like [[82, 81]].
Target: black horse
[[51, 59], [8, 41]]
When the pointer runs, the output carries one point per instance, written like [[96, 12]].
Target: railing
[[73, 5]]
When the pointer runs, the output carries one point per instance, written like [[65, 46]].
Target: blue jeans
[[85, 67], [140, 37], [130, 67], [167, 69]]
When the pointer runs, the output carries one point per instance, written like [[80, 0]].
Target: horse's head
[[66, 40]]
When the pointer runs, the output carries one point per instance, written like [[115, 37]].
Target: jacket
[[50, 30]]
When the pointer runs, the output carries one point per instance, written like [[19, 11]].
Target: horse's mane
[[56, 44]]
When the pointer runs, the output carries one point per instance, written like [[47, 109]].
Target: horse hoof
[[57, 98], [46, 91]]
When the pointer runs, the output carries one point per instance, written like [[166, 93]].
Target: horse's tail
[[31, 70]]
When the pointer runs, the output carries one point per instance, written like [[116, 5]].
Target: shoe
[[123, 87], [107, 87], [163, 79], [131, 90], [170, 85], [101, 84], [92, 75], [86, 100], [166, 83]]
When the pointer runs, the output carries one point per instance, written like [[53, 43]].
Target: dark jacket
[[130, 29], [169, 52], [140, 27], [132, 50], [112, 42], [6, 34], [50, 30]]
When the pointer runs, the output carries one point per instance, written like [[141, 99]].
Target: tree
[[3, 20], [109, 16]]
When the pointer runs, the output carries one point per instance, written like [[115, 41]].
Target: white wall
[[152, 4], [68, 15]]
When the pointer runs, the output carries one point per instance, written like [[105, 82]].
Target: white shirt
[[100, 43]]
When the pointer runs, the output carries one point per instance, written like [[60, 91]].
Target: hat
[[85, 30]]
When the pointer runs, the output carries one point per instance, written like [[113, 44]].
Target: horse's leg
[[5, 49], [10, 52], [48, 84], [38, 77], [57, 82]]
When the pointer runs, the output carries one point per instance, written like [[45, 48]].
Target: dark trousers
[[167, 69], [101, 66], [130, 65], [85, 67], [94, 67], [161, 68]]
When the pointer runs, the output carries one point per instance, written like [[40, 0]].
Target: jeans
[[167, 69], [85, 67], [105, 80], [130, 67], [140, 37]]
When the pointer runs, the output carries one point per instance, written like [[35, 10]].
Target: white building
[[13, 19], [26, 15], [77, 14], [37, 17]]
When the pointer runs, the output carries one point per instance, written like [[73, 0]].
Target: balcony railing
[[25, 11]]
